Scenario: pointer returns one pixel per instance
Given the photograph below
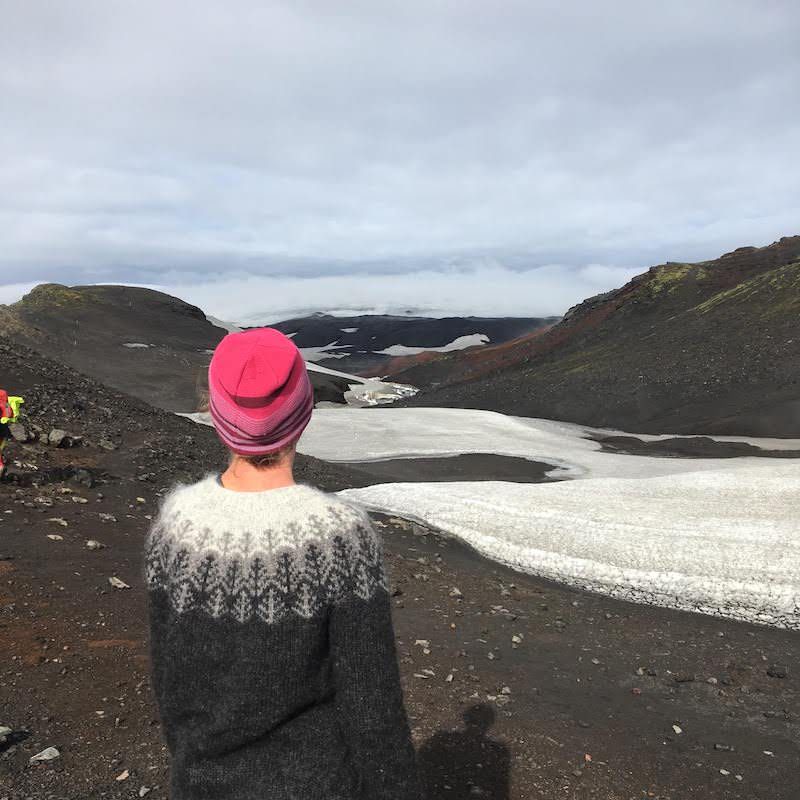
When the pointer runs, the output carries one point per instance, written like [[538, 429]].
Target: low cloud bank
[[483, 291], [488, 290]]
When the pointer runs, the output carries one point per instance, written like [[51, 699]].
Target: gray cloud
[[174, 142]]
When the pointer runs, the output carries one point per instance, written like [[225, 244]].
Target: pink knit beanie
[[260, 395]]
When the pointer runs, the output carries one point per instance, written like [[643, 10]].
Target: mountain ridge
[[708, 347]]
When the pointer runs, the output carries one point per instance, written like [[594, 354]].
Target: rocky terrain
[[516, 688], [356, 344], [712, 347]]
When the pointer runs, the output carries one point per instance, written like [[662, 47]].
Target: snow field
[[719, 536], [460, 343], [348, 434], [724, 543]]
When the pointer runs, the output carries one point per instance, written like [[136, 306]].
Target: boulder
[[60, 438], [18, 432]]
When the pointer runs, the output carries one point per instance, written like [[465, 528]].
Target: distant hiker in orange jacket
[[9, 412]]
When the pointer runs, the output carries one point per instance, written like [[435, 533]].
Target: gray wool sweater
[[272, 647]]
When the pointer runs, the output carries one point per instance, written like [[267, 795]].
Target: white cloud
[[150, 139], [11, 292]]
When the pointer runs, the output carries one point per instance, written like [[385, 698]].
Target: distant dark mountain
[[139, 341], [368, 344], [712, 347]]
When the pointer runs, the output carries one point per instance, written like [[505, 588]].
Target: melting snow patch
[[324, 351], [135, 345], [462, 343], [710, 535], [723, 543], [349, 435], [231, 327]]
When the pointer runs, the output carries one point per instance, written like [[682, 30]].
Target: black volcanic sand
[[688, 447], [566, 695], [465, 467]]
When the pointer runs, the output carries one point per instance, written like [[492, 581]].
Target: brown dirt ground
[[594, 686]]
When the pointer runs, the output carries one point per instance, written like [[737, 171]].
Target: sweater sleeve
[[369, 697]]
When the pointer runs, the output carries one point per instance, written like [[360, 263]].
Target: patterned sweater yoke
[[273, 652]]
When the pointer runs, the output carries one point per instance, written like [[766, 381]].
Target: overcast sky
[[494, 157]]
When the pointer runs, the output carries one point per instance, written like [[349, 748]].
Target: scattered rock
[[59, 521], [123, 776], [455, 592], [93, 544], [60, 438], [677, 729], [723, 748], [5, 732], [18, 432], [78, 499], [55, 537], [778, 671], [144, 790], [117, 583], [84, 478], [48, 754]]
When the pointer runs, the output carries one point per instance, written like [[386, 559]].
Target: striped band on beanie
[[260, 395]]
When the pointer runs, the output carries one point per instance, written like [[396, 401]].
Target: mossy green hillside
[[48, 295], [776, 293]]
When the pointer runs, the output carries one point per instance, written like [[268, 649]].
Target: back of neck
[[243, 477]]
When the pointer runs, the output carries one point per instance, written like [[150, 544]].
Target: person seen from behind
[[9, 414], [273, 652]]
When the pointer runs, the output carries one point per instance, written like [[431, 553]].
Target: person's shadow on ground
[[457, 765]]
